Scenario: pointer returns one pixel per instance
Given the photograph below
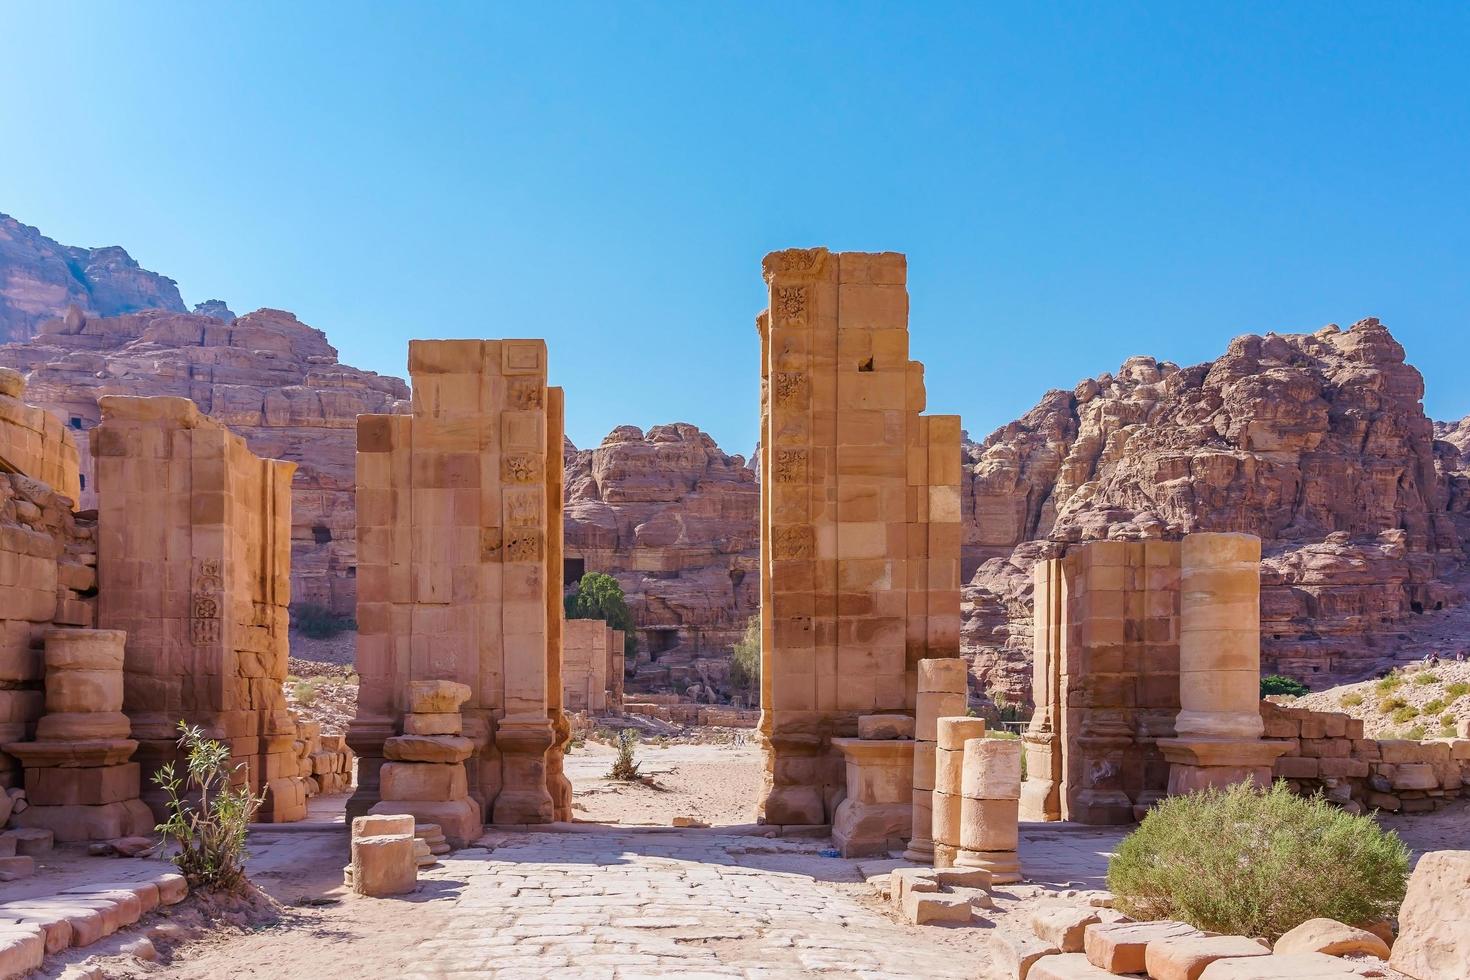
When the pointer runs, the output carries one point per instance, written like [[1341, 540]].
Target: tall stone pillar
[[1218, 729], [942, 694], [454, 511], [1041, 792], [859, 518], [557, 783]]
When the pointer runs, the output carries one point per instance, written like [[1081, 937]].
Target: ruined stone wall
[[47, 559], [586, 645], [194, 565], [455, 578], [1327, 752], [860, 518]]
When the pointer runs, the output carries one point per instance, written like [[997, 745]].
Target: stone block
[[989, 825], [1013, 954], [1185, 958], [1434, 920], [945, 826], [1119, 947], [438, 723], [1066, 966], [889, 726], [384, 866], [423, 781], [931, 707], [91, 786], [955, 731], [1064, 926], [22, 948], [1331, 937], [383, 824], [1415, 775], [428, 748], [436, 697], [1296, 966], [925, 765], [934, 908], [992, 769]]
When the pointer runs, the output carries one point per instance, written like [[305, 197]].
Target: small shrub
[[1417, 733], [318, 622], [210, 833], [625, 767], [304, 692], [745, 662], [1242, 862], [1434, 707], [1407, 713], [1276, 684], [1389, 684], [1426, 677], [1447, 720], [1456, 691], [1352, 699], [1389, 705]]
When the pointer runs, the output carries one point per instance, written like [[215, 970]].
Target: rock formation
[[674, 519], [39, 278], [267, 375], [1317, 443]]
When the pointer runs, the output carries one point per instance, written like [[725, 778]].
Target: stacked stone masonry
[[990, 795], [1327, 752], [592, 667], [941, 694], [860, 518], [876, 814], [423, 773], [194, 559], [949, 758], [460, 569]]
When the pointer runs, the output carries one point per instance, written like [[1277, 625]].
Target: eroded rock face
[[268, 376], [674, 519], [1317, 443], [40, 277]]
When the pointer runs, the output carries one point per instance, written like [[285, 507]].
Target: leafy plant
[[1407, 713], [1426, 677], [318, 622], [1389, 684], [210, 833], [599, 596], [1277, 684], [1456, 691], [1351, 699], [1242, 862], [745, 661], [625, 767], [1389, 705], [1434, 707], [304, 691]]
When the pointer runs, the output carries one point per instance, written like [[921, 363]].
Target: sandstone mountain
[[1316, 442], [40, 278], [675, 520], [270, 377]]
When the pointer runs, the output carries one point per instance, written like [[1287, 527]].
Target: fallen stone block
[[1066, 966], [1013, 954], [172, 888], [1333, 938], [20, 866], [1119, 947], [32, 841], [1064, 926], [934, 908], [383, 866], [1293, 966], [1434, 921], [1185, 958], [22, 948]]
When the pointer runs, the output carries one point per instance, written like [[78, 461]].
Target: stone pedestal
[[876, 817], [949, 756], [990, 793], [423, 773], [942, 686], [523, 742], [79, 781], [383, 859], [1218, 729]]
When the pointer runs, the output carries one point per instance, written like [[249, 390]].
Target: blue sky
[[1073, 183]]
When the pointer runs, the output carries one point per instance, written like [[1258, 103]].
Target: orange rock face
[[269, 377], [1317, 443], [674, 519]]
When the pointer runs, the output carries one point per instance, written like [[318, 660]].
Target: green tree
[[745, 662], [1276, 684], [599, 596]]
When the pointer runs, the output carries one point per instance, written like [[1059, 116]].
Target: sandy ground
[[715, 784]]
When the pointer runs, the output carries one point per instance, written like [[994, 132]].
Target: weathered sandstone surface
[[268, 376], [674, 519], [39, 278], [1317, 443]]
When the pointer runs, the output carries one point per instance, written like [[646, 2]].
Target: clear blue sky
[[1073, 183]]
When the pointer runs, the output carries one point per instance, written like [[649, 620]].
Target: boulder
[[1333, 938], [1434, 921]]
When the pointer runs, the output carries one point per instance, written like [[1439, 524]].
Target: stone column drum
[[1218, 729], [949, 757], [941, 693], [990, 791], [79, 781]]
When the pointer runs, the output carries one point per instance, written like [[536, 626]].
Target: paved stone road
[[613, 904]]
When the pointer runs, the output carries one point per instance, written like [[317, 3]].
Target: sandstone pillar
[[1219, 728], [949, 758], [990, 792], [194, 565], [1041, 793], [557, 784], [876, 815], [942, 693], [454, 507], [79, 781], [860, 518]]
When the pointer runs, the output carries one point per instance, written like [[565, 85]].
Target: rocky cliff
[[675, 520], [267, 375], [1316, 442], [40, 278]]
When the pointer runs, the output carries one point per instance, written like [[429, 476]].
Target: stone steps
[[32, 928]]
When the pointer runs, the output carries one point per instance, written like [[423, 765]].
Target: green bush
[[1242, 862], [745, 662], [1352, 699], [1407, 713], [319, 622], [625, 767], [1426, 677], [1276, 684], [1389, 705], [1456, 691], [1434, 707], [304, 692], [1389, 684], [207, 817], [1447, 720], [1417, 733], [599, 596]]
